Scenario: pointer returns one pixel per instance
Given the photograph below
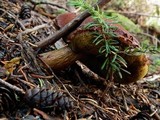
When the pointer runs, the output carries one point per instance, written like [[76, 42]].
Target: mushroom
[[83, 38], [81, 46]]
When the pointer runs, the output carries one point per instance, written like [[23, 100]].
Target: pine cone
[[47, 99]]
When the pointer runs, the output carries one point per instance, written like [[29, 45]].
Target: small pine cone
[[7, 99], [25, 11], [46, 99]]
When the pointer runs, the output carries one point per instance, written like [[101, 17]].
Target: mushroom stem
[[61, 58]]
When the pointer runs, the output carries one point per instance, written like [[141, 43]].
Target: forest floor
[[28, 91]]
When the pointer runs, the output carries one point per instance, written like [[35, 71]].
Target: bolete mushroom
[[81, 44]]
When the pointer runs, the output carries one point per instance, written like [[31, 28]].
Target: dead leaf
[[11, 65]]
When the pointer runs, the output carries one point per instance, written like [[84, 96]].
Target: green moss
[[124, 21]]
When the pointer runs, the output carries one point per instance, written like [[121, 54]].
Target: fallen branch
[[69, 27], [13, 87]]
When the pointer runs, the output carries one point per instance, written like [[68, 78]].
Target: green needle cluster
[[109, 47]]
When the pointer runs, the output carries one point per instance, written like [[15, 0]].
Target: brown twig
[[26, 83], [23, 73], [69, 27], [41, 76], [110, 111], [27, 31], [124, 100], [89, 72], [48, 3], [140, 14]]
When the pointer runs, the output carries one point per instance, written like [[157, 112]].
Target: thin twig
[[155, 114], [26, 31], [108, 110], [43, 114], [26, 83], [66, 89], [89, 72], [155, 40], [141, 14], [124, 100], [13, 87]]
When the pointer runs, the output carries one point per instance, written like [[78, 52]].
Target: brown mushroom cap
[[121, 34], [63, 19]]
